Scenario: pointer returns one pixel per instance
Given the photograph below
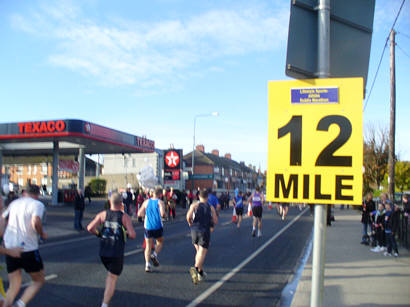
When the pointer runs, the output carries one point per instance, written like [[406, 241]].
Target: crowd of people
[[113, 226], [381, 223]]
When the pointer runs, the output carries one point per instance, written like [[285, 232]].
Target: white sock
[[147, 264], [104, 305], [155, 254], [20, 303], [253, 228]]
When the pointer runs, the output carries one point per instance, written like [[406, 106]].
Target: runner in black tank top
[[112, 241], [201, 217]]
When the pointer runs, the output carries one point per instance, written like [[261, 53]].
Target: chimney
[[228, 156], [215, 152], [200, 148]]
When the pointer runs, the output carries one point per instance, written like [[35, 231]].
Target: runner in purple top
[[257, 200]]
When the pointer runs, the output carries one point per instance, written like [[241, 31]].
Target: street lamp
[[193, 147]]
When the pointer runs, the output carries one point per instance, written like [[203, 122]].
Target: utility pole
[[392, 133]]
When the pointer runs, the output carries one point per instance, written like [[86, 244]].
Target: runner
[[238, 203], [153, 209], [202, 218], [23, 228], [112, 241], [213, 201], [284, 208], [257, 202]]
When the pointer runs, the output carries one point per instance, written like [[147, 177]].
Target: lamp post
[[193, 147]]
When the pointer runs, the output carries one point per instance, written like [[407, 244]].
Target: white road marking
[[235, 270], [136, 251], [47, 278], [66, 241]]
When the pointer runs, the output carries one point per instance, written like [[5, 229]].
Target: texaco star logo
[[172, 159]]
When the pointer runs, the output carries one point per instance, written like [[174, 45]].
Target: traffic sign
[[315, 149], [351, 27]]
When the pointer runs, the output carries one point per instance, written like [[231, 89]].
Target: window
[[216, 169], [29, 170], [44, 169], [34, 181], [230, 172], [133, 162], [44, 181], [35, 169], [223, 171], [19, 170], [20, 182]]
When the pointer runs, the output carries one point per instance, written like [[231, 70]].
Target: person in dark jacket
[[388, 229], [79, 206], [87, 193], [367, 208]]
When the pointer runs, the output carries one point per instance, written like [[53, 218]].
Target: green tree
[[98, 186], [402, 175]]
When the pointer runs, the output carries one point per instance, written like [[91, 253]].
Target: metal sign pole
[[319, 239]]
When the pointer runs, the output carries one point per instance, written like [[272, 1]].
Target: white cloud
[[147, 54]]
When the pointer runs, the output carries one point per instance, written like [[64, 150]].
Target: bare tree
[[375, 156]]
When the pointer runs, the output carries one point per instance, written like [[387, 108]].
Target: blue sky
[[148, 67]]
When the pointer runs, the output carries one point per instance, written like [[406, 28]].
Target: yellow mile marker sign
[[315, 150]]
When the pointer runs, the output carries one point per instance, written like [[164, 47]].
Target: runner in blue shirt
[[153, 209], [213, 201], [238, 203]]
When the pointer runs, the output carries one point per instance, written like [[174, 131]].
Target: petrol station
[[66, 137]]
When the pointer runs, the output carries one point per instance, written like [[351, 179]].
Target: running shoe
[[194, 275], [203, 276], [154, 260], [259, 234], [148, 268], [387, 254], [253, 232], [396, 254]]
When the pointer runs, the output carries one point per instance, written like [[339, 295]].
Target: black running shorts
[[156, 233], [200, 238], [113, 264], [239, 211], [257, 211], [30, 262]]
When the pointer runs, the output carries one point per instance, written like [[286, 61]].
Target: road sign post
[[315, 152]]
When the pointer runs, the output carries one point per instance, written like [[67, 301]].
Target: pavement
[[355, 276]]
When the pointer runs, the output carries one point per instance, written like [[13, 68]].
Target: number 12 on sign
[[315, 148]]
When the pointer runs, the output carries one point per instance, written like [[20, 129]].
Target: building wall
[[119, 170], [201, 183]]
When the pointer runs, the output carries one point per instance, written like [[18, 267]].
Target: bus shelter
[[66, 137]]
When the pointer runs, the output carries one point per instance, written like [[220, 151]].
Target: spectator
[[388, 229], [190, 197], [379, 229], [184, 199], [367, 208], [79, 205], [10, 197], [127, 199], [171, 201], [87, 193]]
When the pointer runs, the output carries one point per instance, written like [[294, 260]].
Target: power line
[[402, 50], [401, 33], [381, 58]]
